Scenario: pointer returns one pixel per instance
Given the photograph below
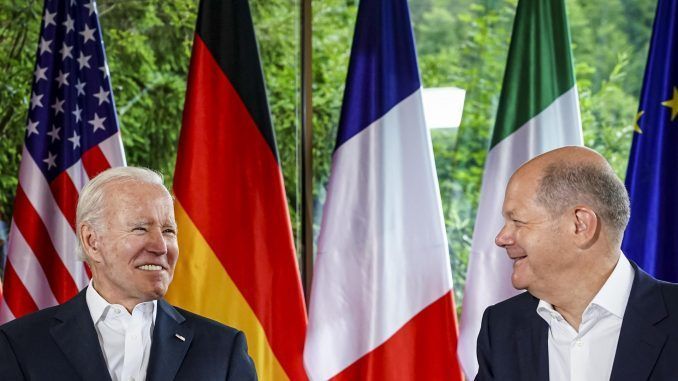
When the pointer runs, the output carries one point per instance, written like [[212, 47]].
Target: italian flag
[[538, 111]]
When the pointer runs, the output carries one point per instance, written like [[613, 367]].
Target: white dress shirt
[[589, 353], [125, 338]]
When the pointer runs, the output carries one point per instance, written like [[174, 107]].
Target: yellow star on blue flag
[[651, 237], [673, 103]]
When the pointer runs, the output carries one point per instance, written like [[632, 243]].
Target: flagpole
[[307, 147]]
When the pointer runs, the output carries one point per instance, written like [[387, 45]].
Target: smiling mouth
[[517, 260], [150, 267]]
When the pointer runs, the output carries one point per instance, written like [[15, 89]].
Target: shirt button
[[579, 343], [135, 337]]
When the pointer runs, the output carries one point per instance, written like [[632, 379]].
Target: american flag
[[72, 134]]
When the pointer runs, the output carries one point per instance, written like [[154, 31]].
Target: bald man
[[588, 313]]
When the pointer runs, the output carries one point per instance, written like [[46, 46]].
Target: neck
[[571, 301], [110, 298], [572, 314]]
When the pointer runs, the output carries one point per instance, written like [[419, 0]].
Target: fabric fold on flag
[[72, 135], [237, 262], [651, 237], [381, 303], [538, 111]]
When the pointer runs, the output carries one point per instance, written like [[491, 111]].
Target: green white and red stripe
[[538, 111]]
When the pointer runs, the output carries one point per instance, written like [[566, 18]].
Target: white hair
[[91, 200]]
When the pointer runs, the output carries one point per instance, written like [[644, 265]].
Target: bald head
[[571, 176]]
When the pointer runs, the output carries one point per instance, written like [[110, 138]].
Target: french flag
[[381, 304]]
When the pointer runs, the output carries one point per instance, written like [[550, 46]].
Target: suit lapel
[[532, 343], [640, 342], [74, 333], [167, 348]]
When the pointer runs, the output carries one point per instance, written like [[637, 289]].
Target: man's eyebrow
[[139, 222], [508, 213]]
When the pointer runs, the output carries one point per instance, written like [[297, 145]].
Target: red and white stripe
[[42, 267]]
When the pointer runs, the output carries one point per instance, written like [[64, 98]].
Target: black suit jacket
[[513, 339], [60, 343]]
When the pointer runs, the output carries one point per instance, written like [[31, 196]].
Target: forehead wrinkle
[[140, 221], [132, 208]]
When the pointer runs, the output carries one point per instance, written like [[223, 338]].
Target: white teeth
[[150, 267]]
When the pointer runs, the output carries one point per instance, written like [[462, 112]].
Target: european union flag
[[651, 238]]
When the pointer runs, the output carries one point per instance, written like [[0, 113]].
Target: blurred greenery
[[18, 44], [147, 43], [461, 43], [464, 44], [474, 61]]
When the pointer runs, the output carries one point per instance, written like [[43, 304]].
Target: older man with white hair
[[119, 327]]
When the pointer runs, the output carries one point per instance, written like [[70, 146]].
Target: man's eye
[[170, 231], [139, 229]]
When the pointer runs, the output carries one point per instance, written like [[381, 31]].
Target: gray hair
[[566, 184], [91, 200]]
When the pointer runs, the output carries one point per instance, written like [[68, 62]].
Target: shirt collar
[[98, 305], [547, 312], [612, 297]]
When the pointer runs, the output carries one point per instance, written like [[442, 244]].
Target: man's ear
[[90, 242], [586, 226]]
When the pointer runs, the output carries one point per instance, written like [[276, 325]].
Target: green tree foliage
[[148, 47], [147, 44], [333, 24], [461, 43], [610, 45], [19, 23], [472, 57], [276, 25], [464, 44]]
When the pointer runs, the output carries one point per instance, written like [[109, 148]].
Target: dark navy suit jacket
[[60, 343], [513, 339]]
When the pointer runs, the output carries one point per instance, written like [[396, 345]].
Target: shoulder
[[501, 320], [670, 293], [214, 346], [515, 307], [668, 288], [502, 323], [646, 286], [32, 324], [212, 338]]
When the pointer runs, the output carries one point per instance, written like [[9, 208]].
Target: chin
[[156, 291], [160, 292], [518, 283]]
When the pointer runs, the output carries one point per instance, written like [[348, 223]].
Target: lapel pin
[[178, 336]]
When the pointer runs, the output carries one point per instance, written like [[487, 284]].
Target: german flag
[[237, 263]]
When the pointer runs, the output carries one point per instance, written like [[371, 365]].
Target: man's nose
[[504, 237], [156, 243]]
